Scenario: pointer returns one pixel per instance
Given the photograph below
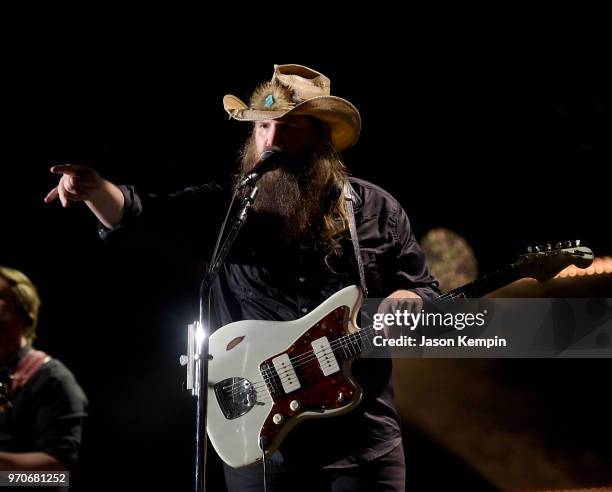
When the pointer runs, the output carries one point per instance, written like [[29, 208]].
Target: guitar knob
[[277, 419], [558, 245], [294, 405], [529, 249], [548, 247], [538, 249], [568, 244], [577, 242]]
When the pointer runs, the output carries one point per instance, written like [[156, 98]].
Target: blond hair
[[26, 295]]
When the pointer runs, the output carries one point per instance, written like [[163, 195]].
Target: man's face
[[11, 321], [294, 195], [292, 134]]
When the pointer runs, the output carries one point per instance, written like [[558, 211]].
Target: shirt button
[[304, 310], [302, 279]]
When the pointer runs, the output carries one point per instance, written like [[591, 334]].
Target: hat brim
[[340, 115]]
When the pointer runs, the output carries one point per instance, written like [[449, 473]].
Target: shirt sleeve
[[411, 269], [183, 224], [60, 415]]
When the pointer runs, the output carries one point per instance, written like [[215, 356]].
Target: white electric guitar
[[267, 376]]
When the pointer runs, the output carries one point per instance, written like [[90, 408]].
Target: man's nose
[[274, 137]]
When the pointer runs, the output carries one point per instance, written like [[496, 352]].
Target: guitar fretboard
[[484, 285]]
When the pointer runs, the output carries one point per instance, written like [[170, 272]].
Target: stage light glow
[[599, 266]]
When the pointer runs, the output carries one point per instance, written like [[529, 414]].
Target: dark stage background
[[505, 146]]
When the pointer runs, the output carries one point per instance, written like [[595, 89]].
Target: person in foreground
[[294, 251]]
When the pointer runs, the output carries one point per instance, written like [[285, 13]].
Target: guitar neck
[[484, 285], [361, 341]]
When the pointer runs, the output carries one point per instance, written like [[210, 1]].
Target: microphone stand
[[198, 356]]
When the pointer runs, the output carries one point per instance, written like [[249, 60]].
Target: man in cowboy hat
[[294, 251]]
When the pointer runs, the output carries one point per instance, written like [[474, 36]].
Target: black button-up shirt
[[266, 277], [46, 414]]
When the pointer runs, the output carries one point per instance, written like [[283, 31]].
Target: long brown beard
[[303, 195]]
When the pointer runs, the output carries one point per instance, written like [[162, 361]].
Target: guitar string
[[284, 373], [307, 357], [335, 344]]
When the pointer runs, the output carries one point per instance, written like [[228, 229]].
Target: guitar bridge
[[236, 396]]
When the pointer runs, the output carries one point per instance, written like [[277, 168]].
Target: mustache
[[283, 162]]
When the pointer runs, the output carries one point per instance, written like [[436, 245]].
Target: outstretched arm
[[83, 184]]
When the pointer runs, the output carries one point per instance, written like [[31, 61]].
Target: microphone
[[269, 160]]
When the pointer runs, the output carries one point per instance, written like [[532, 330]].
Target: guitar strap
[[28, 366], [349, 195]]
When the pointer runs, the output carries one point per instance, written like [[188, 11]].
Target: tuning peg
[[558, 245], [568, 244], [529, 249], [548, 247], [538, 248], [577, 242]]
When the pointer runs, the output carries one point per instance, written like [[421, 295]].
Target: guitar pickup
[[286, 373], [325, 356]]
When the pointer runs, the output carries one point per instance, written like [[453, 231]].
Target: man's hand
[[77, 184], [401, 300], [83, 184]]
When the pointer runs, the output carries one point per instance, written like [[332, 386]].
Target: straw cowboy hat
[[299, 90]]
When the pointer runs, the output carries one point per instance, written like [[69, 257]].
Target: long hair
[[335, 217]]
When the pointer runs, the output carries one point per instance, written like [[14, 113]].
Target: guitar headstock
[[543, 262]]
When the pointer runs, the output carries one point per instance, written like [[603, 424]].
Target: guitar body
[[267, 376]]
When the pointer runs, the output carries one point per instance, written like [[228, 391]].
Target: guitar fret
[[350, 346], [358, 342], [344, 350], [369, 333], [354, 344], [366, 340]]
